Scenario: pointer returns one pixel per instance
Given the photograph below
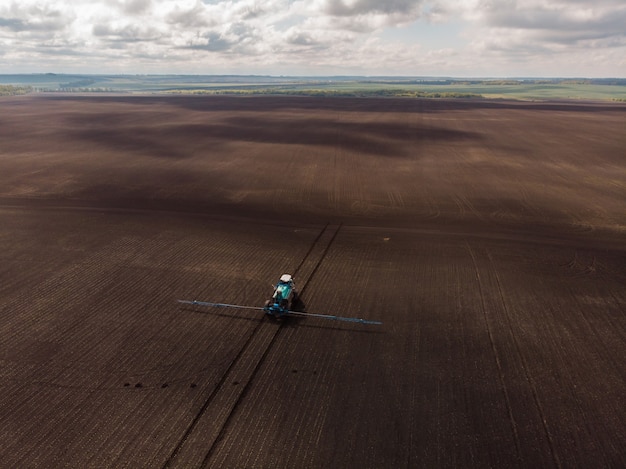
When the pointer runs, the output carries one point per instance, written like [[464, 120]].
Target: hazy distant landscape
[[612, 89]]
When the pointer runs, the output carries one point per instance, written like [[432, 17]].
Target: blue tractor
[[285, 297], [283, 302]]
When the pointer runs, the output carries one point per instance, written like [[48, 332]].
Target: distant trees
[[331, 92], [11, 90]]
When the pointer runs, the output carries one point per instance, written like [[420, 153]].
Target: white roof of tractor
[[286, 278]]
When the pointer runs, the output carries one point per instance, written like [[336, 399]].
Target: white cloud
[[552, 22], [368, 7], [25, 18], [549, 37], [500, 37], [134, 7]]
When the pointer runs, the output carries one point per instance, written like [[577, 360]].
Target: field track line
[[496, 356], [244, 392], [208, 427], [315, 244], [320, 259], [531, 381], [308, 253], [194, 422]]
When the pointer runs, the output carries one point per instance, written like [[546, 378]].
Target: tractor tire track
[[322, 256], [496, 355], [308, 253], [525, 368], [210, 424], [177, 450]]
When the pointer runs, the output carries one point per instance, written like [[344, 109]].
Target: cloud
[[575, 23], [194, 16], [13, 24], [20, 18], [489, 37], [302, 38], [364, 7], [212, 41], [541, 37], [237, 39], [363, 16], [126, 33], [249, 12], [135, 7]]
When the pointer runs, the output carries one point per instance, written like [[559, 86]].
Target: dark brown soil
[[489, 237]]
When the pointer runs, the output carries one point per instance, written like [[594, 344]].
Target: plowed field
[[489, 237]]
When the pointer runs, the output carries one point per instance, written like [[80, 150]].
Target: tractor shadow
[[298, 305]]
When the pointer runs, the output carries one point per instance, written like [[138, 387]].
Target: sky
[[454, 38]]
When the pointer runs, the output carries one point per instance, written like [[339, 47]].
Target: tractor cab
[[284, 292]]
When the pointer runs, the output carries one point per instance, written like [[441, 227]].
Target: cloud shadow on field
[[381, 139], [178, 141], [146, 141], [260, 103], [385, 105]]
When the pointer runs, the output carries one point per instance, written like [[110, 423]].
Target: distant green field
[[524, 89], [521, 91], [545, 91]]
